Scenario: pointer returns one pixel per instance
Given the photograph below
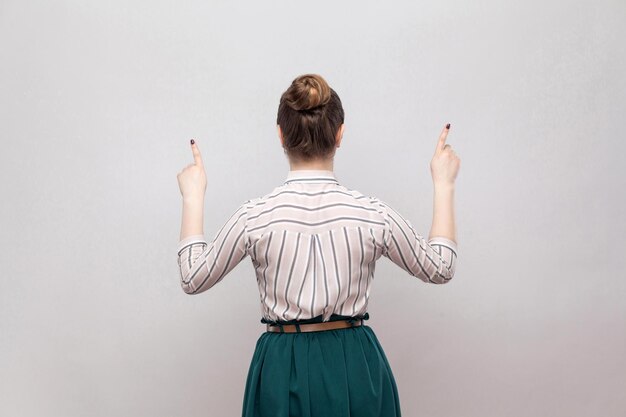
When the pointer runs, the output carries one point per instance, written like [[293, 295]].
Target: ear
[[339, 135], [280, 135]]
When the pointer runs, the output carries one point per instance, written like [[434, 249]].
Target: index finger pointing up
[[197, 158], [442, 138]]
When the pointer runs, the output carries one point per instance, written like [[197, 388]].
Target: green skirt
[[326, 373]]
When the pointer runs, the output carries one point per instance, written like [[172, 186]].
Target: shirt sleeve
[[203, 265], [432, 261]]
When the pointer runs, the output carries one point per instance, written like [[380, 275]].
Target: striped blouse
[[314, 245]]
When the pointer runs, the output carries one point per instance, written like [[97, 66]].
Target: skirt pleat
[[329, 373]]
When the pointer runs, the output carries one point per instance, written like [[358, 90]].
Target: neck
[[318, 164]]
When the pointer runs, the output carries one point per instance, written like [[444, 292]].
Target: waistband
[[317, 319]]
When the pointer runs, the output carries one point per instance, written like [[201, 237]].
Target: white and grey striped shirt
[[314, 245]]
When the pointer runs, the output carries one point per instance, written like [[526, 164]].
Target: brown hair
[[309, 114]]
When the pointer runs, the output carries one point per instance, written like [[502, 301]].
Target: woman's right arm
[[432, 260]]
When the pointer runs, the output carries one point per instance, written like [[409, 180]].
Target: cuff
[[190, 239], [439, 240]]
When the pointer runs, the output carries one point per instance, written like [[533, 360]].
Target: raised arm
[[203, 265], [433, 261]]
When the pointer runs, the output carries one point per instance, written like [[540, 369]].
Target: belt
[[313, 327]]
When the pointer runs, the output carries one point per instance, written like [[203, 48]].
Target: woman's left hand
[[192, 179]]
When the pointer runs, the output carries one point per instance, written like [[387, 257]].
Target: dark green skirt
[[327, 373]]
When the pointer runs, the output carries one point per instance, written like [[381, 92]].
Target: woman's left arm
[[203, 265]]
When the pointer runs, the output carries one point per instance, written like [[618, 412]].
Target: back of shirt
[[314, 245]]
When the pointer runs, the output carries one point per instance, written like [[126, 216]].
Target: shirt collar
[[310, 176]]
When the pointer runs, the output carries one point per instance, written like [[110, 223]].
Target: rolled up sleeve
[[202, 265]]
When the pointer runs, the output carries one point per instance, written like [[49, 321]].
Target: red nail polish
[[192, 141], [448, 126]]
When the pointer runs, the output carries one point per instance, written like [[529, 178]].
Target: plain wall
[[98, 101]]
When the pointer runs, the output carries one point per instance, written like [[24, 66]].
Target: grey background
[[98, 101]]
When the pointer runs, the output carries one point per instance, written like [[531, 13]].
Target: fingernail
[[448, 126], [192, 141]]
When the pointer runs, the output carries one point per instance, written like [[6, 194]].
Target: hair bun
[[307, 92]]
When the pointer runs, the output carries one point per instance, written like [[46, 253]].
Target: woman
[[314, 245]]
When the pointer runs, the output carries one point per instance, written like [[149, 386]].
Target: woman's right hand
[[192, 179], [445, 163]]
